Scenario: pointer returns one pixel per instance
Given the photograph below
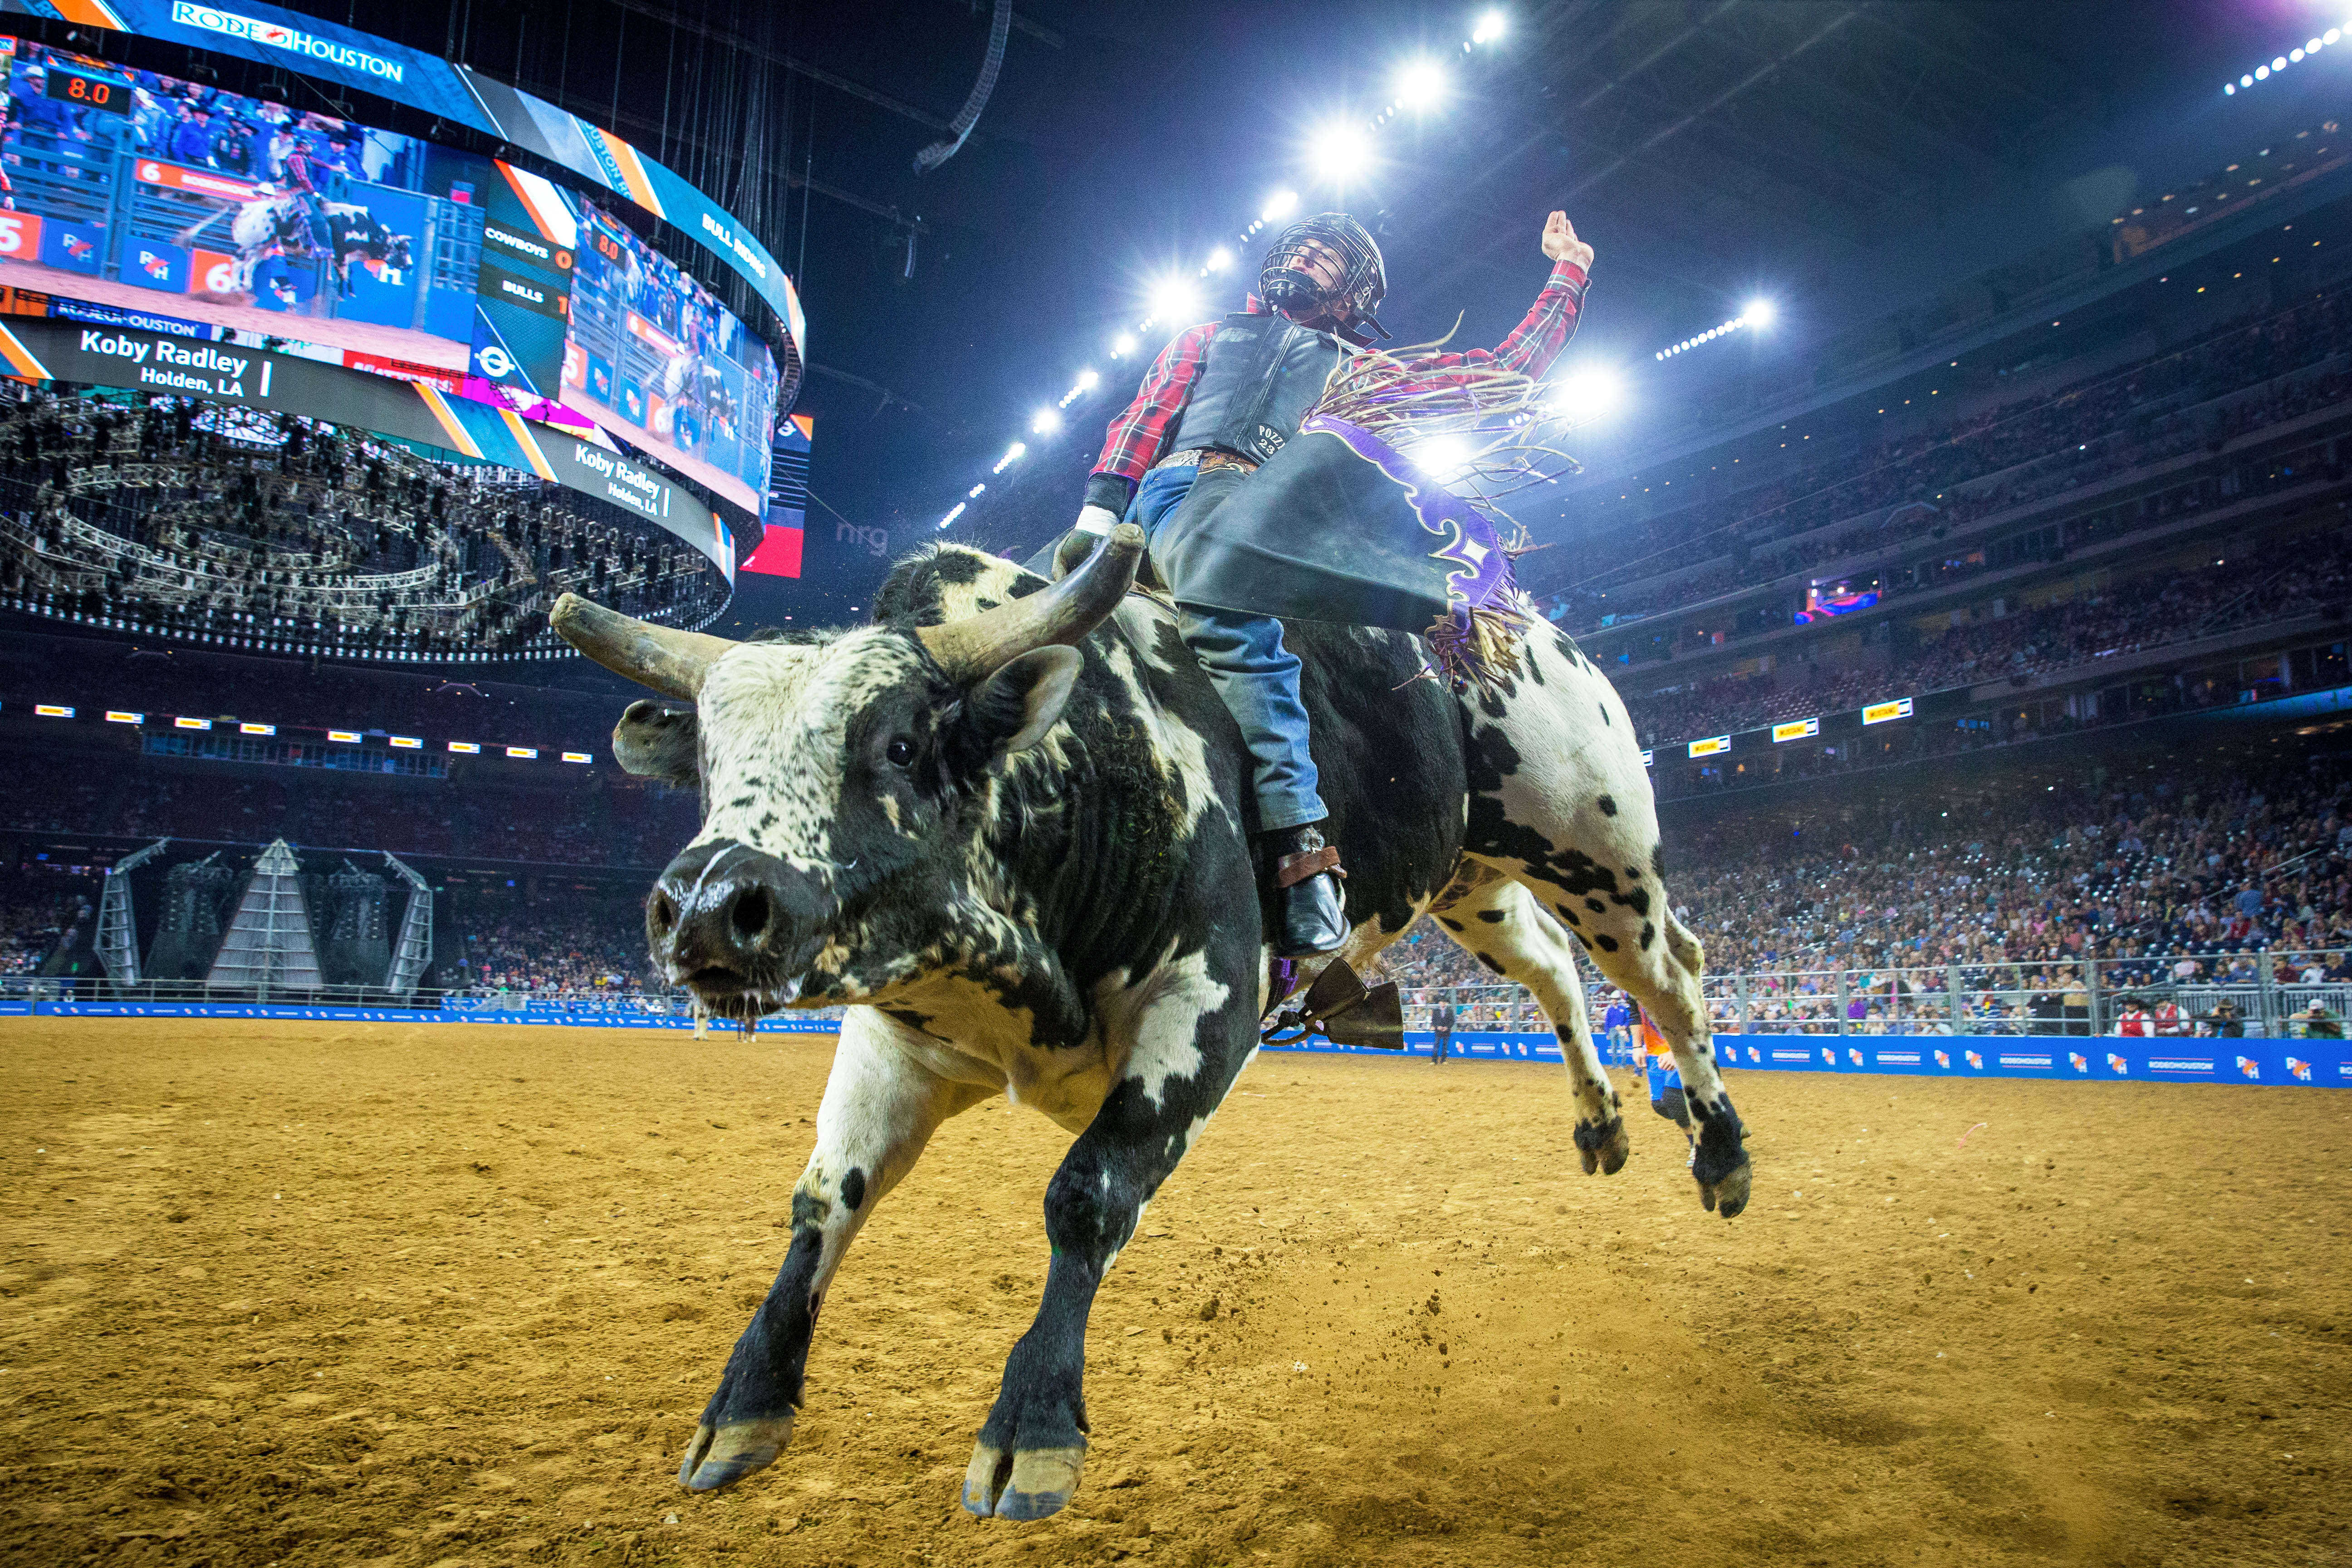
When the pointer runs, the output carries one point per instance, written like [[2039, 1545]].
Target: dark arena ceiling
[[1839, 160]]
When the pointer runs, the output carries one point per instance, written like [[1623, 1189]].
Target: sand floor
[[297, 1294]]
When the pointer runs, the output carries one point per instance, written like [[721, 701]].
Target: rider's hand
[[1559, 242], [1094, 526]]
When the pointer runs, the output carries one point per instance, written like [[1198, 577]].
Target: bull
[[1007, 824]]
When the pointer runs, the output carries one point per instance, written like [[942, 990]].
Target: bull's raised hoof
[[1720, 1164], [1603, 1146], [723, 1456], [1728, 1195], [1035, 1483]]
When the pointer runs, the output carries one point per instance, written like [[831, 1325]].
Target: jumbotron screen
[[148, 192]]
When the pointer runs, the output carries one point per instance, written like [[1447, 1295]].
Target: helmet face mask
[[1325, 265]]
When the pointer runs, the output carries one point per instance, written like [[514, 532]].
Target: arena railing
[[2224, 994], [581, 1002]]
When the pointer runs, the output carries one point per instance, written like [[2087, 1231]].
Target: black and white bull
[[1010, 825], [355, 234]]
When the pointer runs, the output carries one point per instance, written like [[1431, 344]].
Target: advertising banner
[[223, 371], [779, 554], [149, 195], [290, 41]]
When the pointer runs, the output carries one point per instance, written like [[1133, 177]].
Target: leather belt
[[1206, 457]]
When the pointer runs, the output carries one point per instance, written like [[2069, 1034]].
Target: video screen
[[148, 192]]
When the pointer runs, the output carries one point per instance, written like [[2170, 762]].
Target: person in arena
[[1219, 401], [1440, 1027], [1665, 1079]]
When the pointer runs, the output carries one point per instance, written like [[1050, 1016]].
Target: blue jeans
[[1253, 674]]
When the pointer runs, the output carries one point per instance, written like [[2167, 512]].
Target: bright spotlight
[[1421, 86], [1219, 258], [1490, 27], [1337, 151], [1279, 206], [1759, 313], [975, 489], [1173, 299], [1443, 458], [1122, 345], [1587, 395], [1013, 455], [1046, 422], [1088, 380]]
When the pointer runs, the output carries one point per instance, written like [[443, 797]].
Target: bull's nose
[[718, 913]]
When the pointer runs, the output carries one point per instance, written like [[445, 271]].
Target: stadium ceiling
[[1712, 148], [1800, 130]]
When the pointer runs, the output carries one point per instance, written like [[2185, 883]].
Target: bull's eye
[[901, 753]]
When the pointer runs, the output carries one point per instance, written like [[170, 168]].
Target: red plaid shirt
[[1137, 436]]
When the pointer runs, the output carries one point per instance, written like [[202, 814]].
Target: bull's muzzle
[[735, 925]]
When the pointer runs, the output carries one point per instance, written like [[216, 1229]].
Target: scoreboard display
[[90, 91]]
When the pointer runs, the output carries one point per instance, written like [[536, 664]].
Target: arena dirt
[[303, 1294]]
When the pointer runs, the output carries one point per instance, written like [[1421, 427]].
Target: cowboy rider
[[1221, 399]]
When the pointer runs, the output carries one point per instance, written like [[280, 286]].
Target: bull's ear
[[657, 742], [1012, 710]]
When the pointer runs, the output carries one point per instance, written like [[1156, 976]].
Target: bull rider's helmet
[[1363, 277]]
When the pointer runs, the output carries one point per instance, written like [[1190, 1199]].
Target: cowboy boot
[[1310, 909]]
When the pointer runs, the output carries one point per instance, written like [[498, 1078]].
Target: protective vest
[[1262, 373]]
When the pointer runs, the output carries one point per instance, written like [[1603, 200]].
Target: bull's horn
[[671, 661], [978, 645]]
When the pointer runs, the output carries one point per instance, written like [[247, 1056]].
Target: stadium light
[[1013, 455], [1045, 423], [1340, 151], [1441, 457], [1759, 313], [2280, 62], [1337, 151], [973, 493], [1173, 298], [1592, 392], [1421, 86], [953, 513]]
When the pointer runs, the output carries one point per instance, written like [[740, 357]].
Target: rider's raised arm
[[1551, 321], [1135, 440]]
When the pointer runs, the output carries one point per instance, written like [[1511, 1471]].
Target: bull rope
[[1505, 417]]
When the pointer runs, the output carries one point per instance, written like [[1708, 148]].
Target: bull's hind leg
[[1662, 974], [1499, 924], [1559, 800], [880, 1108]]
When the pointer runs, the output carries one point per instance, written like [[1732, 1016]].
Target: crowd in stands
[[2276, 579], [137, 511], [579, 949], [31, 921], [1854, 497], [2218, 879]]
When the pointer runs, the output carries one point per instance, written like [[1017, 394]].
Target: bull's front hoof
[[1729, 1195], [987, 1473], [1603, 1146], [721, 1457], [1034, 1483]]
